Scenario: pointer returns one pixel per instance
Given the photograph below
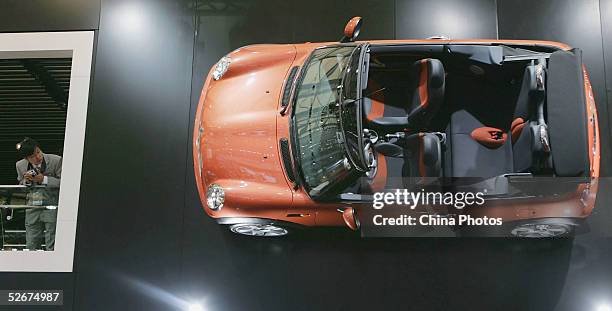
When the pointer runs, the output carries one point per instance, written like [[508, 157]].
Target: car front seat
[[421, 153], [429, 93], [425, 95], [423, 156]]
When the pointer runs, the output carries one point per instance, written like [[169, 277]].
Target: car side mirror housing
[[351, 30]]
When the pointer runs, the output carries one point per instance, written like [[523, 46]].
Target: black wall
[[144, 243], [49, 15], [453, 19], [130, 214]]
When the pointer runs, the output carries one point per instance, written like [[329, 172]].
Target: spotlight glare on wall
[[195, 307], [603, 307], [131, 18]]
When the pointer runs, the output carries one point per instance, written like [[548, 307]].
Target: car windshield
[[317, 129]]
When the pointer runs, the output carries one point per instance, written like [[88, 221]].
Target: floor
[[332, 269]]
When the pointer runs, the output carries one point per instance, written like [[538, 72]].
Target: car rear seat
[[473, 156], [529, 155], [475, 149], [524, 116], [419, 102]]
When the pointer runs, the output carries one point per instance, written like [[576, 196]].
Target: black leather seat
[[423, 156], [421, 153], [429, 93], [478, 150], [420, 99]]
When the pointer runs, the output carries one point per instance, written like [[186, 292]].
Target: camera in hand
[[32, 173]]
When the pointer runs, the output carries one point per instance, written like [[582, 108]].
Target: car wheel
[[270, 230], [534, 228], [542, 230]]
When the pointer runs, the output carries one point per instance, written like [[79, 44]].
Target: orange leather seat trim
[[380, 180], [489, 137], [517, 128], [377, 110]]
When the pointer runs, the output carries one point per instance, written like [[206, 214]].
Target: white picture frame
[[79, 46]]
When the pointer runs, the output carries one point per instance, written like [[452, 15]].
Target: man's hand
[[38, 178], [27, 176]]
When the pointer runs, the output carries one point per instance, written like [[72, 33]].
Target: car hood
[[239, 143]]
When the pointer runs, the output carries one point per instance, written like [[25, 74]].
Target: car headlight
[[221, 68], [215, 196]]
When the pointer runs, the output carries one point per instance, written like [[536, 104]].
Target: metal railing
[[15, 198]]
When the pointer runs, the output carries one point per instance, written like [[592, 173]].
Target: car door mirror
[[351, 30]]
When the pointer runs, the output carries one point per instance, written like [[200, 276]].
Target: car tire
[[542, 230], [546, 228], [260, 229]]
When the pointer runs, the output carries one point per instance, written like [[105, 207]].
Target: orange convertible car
[[289, 136]]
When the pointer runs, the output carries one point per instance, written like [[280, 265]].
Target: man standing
[[37, 168]]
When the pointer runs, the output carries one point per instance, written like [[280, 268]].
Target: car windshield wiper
[[352, 101]]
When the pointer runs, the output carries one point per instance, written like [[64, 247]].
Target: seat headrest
[[389, 149], [425, 153], [430, 69]]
